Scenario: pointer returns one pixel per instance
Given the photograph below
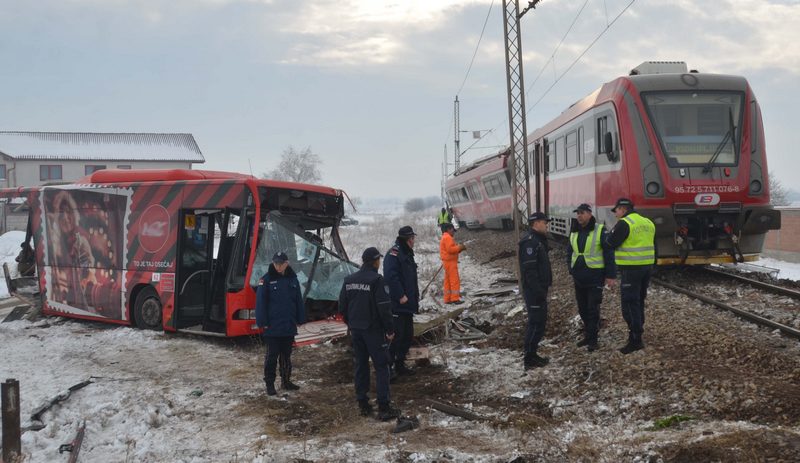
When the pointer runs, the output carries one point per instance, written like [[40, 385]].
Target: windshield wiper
[[729, 135]]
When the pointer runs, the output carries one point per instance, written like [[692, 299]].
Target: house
[[47, 158]]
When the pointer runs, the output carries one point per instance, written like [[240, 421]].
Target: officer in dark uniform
[[633, 239], [400, 272], [591, 263], [534, 265], [364, 303], [279, 309]]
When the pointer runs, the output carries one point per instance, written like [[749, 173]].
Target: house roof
[[101, 146]]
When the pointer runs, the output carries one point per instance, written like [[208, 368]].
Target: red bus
[[181, 250]]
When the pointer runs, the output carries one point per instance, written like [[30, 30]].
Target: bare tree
[[778, 194], [297, 166], [415, 204]]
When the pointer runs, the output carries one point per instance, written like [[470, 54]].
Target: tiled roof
[[101, 146]]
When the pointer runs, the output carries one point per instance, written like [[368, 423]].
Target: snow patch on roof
[[101, 146]]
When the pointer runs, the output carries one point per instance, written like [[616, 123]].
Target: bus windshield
[[320, 271], [696, 128]]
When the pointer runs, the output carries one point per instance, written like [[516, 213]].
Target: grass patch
[[669, 422]]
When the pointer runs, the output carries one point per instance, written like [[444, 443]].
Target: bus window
[[320, 271]]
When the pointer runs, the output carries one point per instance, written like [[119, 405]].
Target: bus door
[[195, 264]]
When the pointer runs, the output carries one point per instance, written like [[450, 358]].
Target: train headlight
[[755, 186], [653, 188]]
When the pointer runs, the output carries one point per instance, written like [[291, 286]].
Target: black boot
[[364, 408], [387, 412], [634, 343], [285, 364], [533, 360], [583, 342], [271, 388], [403, 370]]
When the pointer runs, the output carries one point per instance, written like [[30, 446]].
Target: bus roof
[[174, 175]]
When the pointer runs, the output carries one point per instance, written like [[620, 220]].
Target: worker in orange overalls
[[449, 251]]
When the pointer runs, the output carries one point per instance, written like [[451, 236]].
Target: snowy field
[[156, 397]]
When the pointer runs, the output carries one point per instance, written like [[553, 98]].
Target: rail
[[758, 284], [757, 319]]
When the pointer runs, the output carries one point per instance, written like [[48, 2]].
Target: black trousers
[[589, 295], [279, 349], [404, 331], [635, 280], [536, 304], [371, 344]]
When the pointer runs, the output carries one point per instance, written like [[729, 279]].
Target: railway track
[[707, 297]]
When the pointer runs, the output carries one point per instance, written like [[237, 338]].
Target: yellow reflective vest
[[444, 217], [594, 257], [639, 247]]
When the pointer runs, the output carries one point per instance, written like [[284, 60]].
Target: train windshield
[[696, 128]]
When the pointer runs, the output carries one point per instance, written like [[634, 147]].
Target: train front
[[708, 186]]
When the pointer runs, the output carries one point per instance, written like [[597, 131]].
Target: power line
[[471, 62], [581, 55], [477, 46], [555, 50]]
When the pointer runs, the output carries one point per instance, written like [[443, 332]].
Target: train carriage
[[480, 193], [688, 148]]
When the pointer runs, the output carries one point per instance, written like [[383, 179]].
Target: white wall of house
[[26, 173]]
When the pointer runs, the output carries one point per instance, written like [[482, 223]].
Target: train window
[[602, 128], [551, 157], [560, 153], [496, 186], [572, 149], [474, 193], [753, 126], [580, 146]]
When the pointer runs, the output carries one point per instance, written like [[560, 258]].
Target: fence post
[[12, 448]]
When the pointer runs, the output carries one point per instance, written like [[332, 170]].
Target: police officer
[[400, 272], [591, 263], [364, 303], [279, 309], [534, 265], [633, 237]]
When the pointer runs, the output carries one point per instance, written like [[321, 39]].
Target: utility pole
[[518, 130], [457, 121], [444, 175]]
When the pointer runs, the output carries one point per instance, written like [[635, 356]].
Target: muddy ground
[[707, 387]]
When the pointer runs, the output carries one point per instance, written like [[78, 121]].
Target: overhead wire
[[471, 62], [529, 109]]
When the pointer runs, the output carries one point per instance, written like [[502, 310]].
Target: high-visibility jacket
[[448, 249], [639, 247], [444, 217], [593, 248]]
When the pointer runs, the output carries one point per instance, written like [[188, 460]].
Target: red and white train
[[688, 149]]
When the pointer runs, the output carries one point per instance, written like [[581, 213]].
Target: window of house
[[2, 171], [124, 166], [91, 168], [50, 172]]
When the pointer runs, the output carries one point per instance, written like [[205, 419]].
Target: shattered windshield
[[309, 258], [693, 126]]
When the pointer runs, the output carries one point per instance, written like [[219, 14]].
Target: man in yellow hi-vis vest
[[591, 263], [633, 237]]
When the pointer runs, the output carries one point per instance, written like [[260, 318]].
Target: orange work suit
[[448, 252]]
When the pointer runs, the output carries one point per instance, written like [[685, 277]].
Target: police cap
[[538, 216], [583, 207], [370, 254], [623, 202], [406, 232]]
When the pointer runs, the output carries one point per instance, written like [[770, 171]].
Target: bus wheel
[[147, 310]]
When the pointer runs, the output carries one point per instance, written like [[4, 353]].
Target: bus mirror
[[608, 144]]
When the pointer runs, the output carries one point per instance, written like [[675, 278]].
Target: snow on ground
[[9, 249], [787, 270], [159, 397]]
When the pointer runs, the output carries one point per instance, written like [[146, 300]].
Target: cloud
[[354, 33]]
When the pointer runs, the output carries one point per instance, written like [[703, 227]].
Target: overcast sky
[[367, 84]]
